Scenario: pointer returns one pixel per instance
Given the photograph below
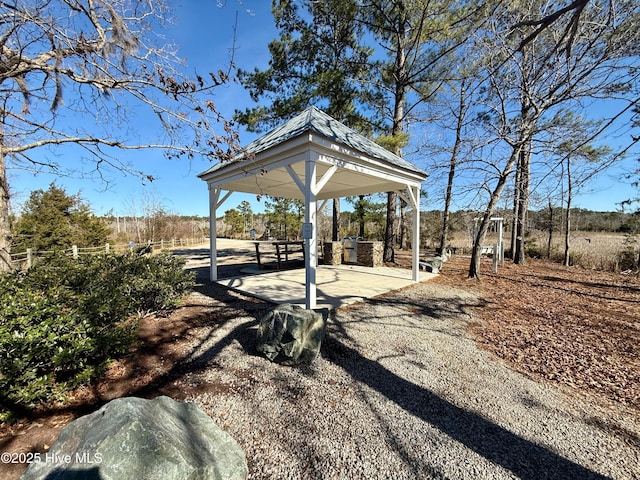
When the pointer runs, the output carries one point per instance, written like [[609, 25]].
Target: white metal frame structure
[[315, 158]]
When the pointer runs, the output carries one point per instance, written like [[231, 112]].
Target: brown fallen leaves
[[566, 325]]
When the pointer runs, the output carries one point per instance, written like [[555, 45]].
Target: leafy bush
[[628, 259], [64, 319]]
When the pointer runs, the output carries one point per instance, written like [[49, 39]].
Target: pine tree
[[318, 60], [54, 220]]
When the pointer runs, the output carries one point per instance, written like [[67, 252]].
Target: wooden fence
[[25, 259]]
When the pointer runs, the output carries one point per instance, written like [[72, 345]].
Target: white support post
[[311, 244], [215, 202], [501, 242], [214, 194], [415, 241]]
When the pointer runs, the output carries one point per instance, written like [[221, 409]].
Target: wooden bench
[[487, 250], [282, 250]]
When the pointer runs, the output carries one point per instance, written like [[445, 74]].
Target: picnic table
[[282, 250]]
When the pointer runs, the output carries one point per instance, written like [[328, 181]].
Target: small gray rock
[[134, 438]]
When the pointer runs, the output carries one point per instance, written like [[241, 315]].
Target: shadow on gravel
[[525, 459], [228, 307], [147, 379]]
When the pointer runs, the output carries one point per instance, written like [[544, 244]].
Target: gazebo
[[315, 158]]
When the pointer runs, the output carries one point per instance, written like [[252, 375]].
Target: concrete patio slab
[[336, 285]]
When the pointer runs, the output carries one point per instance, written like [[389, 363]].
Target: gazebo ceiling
[[353, 164]]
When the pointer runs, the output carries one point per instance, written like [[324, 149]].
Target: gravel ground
[[400, 391]]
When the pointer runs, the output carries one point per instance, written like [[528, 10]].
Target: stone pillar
[[332, 252], [370, 254]]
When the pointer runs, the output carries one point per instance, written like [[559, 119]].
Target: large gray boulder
[[290, 334], [133, 438]]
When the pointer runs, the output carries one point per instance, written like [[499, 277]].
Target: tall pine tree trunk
[[400, 92], [567, 258], [403, 225], [390, 229], [550, 240], [523, 206], [360, 213], [474, 266], [514, 221]]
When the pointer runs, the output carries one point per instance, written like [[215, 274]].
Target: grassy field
[[611, 252]]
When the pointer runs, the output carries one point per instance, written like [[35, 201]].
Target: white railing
[[26, 259]]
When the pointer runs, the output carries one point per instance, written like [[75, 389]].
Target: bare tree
[[532, 77], [568, 14], [459, 112], [418, 37], [579, 162], [98, 62]]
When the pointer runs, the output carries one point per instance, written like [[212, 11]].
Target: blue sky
[[204, 32]]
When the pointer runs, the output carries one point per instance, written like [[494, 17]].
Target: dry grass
[[610, 252], [605, 251]]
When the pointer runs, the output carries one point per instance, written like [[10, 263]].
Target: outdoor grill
[[350, 249]]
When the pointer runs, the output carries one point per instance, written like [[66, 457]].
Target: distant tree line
[[583, 220], [282, 219], [53, 219]]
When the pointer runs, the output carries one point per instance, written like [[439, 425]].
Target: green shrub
[[628, 260], [64, 319], [534, 251]]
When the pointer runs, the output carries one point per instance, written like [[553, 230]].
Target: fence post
[[74, 250], [161, 244], [29, 257], [107, 248]]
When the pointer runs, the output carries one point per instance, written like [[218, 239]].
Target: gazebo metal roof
[[362, 166], [313, 157]]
